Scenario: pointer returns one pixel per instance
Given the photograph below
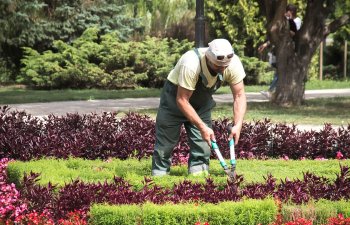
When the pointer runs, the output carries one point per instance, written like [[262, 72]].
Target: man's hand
[[208, 135], [235, 133], [263, 46]]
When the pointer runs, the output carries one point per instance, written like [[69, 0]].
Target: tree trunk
[[294, 54], [292, 74]]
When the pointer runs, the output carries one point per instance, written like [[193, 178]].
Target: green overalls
[[168, 124]]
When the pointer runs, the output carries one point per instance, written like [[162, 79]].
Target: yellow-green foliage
[[244, 212], [240, 21], [102, 61], [60, 171], [319, 212], [106, 214]]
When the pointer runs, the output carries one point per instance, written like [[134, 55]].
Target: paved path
[[98, 106]]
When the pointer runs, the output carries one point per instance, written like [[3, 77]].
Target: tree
[[238, 21], [294, 53], [38, 23]]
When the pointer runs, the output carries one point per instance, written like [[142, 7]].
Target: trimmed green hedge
[[59, 171], [319, 211], [245, 212]]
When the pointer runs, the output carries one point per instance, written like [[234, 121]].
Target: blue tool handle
[[215, 148], [231, 144]]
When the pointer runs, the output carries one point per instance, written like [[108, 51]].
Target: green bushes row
[[94, 61], [102, 62], [245, 212]]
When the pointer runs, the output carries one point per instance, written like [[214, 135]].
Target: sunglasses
[[221, 57]]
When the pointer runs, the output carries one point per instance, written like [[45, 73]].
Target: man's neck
[[211, 71]]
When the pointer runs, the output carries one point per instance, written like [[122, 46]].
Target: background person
[[186, 99], [291, 13], [294, 25]]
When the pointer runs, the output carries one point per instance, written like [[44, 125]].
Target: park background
[[94, 49]]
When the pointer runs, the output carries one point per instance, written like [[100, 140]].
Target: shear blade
[[231, 174]]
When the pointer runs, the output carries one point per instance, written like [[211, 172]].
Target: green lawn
[[64, 171], [17, 94], [315, 112]]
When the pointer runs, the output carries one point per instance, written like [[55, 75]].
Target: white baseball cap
[[220, 52]]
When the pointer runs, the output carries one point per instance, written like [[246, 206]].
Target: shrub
[[245, 212], [102, 62], [92, 136]]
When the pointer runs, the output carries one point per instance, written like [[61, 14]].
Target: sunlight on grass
[[64, 171], [316, 111], [19, 94]]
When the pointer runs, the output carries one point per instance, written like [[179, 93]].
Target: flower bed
[[93, 136], [58, 203], [23, 137]]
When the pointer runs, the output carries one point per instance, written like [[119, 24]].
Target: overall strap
[[204, 79]]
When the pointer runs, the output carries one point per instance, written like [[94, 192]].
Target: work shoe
[[267, 94]]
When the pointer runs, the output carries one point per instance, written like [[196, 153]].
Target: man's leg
[[167, 136], [198, 162], [273, 83]]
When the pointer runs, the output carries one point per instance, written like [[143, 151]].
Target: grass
[[17, 95], [315, 112], [20, 94], [64, 171]]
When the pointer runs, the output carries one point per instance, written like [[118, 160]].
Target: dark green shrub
[[257, 71], [102, 62], [7, 69]]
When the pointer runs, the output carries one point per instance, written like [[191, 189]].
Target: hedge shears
[[229, 171]]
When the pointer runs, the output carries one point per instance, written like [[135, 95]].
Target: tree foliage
[[38, 23], [161, 18], [237, 21]]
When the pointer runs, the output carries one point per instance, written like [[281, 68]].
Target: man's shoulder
[[235, 61], [190, 59], [192, 53]]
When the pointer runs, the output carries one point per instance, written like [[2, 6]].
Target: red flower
[[340, 220], [300, 221], [339, 155]]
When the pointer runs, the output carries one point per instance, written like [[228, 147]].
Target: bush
[[245, 212], [257, 71], [93, 136], [319, 212], [7, 69], [94, 61]]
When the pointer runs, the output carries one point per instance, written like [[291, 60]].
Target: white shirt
[[297, 22]]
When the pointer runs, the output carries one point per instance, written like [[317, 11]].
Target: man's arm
[[182, 100], [239, 109]]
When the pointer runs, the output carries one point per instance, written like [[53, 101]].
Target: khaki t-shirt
[[187, 70]]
